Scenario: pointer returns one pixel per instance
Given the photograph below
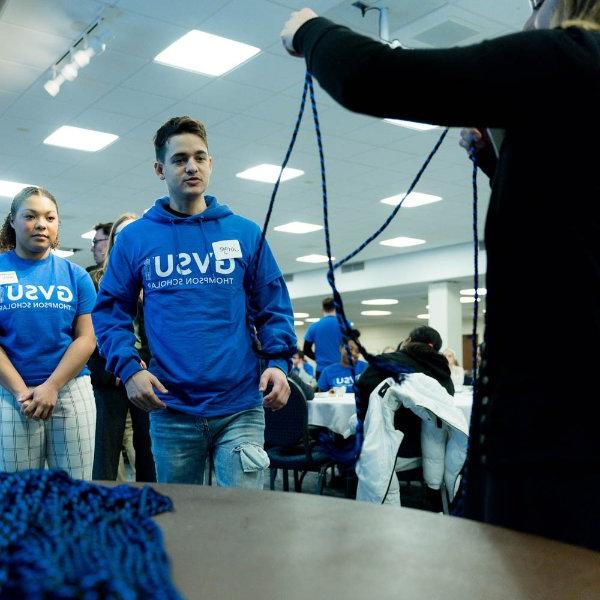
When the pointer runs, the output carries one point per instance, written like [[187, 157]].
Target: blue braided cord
[[288, 352], [63, 538], [473, 157], [393, 214], [394, 369]]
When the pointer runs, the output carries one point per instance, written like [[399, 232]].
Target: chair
[[288, 444]]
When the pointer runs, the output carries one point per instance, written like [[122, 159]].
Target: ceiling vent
[[357, 266], [446, 34]]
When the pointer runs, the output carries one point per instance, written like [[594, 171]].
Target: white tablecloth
[[332, 412]]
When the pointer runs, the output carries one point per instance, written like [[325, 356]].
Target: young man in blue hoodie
[[203, 298]]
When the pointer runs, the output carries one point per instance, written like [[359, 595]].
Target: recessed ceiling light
[[62, 253], [269, 173], [423, 316], [10, 189], [375, 313], [402, 242], [468, 299], [77, 138], [471, 292], [301, 315], [298, 227], [314, 258], [205, 53], [89, 235], [298, 323], [412, 200], [411, 125], [379, 302], [312, 320]]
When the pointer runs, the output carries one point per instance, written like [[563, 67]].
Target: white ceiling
[[249, 114]]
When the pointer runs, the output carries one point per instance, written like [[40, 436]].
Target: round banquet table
[[239, 544]]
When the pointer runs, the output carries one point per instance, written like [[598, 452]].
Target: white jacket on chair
[[444, 436]]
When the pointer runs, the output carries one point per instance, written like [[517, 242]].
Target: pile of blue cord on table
[[64, 538]]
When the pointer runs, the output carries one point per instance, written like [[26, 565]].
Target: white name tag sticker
[[8, 277], [227, 249]]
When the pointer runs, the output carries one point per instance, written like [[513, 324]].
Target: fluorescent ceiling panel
[[375, 313], [402, 242], [205, 53], [411, 125], [267, 173], [77, 138], [314, 258], [380, 302], [9, 189], [412, 200], [298, 227]]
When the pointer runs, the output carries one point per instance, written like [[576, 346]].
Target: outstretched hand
[[296, 20]]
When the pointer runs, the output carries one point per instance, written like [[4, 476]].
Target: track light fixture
[[92, 42]]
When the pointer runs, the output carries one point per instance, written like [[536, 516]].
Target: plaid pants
[[64, 441]]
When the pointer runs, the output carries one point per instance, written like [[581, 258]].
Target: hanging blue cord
[[393, 369], [286, 352]]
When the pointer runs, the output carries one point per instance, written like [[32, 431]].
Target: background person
[[529, 449], [47, 411], [322, 339], [113, 406]]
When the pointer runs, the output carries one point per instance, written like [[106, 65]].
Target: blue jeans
[[181, 444]]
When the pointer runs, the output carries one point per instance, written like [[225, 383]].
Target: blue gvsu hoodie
[[195, 273]]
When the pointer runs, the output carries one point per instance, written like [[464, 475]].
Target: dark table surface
[[236, 544]]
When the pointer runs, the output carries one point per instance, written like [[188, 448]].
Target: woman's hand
[[40, 401], [470, 136], [296, 20]]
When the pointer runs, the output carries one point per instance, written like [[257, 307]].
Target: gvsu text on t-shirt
[[36, 296]]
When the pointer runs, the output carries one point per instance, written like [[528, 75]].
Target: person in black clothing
[[112, 404], [421, 353], [534, 456]]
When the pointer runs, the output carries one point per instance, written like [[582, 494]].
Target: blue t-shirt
[[308, 368], [326, 335], [338, 375], [39, 303]]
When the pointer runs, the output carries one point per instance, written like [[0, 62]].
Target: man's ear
[[158, 169]]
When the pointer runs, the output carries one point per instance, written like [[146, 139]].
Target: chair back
[[289, 425]]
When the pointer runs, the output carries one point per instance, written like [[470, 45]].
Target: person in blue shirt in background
[[47, 409], [340, 374], [194, 260], [325, 335]]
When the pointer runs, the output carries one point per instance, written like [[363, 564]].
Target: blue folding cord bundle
[[63, 538]]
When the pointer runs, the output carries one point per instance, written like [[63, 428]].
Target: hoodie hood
[[213, 211]]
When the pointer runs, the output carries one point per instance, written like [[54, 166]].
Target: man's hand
[[278, 396], [470, 135], [39, 402], [140, 391], [296, 20]]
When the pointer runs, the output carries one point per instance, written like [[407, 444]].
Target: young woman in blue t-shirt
[[47, 411]]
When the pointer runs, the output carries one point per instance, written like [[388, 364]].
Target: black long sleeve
[[496, 82]]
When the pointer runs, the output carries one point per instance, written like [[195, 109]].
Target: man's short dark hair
[[328, 304], [104, 227], [175, 126]]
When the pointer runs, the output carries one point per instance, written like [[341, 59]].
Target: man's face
[[541, 17], [186, 168], [99, 247]]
